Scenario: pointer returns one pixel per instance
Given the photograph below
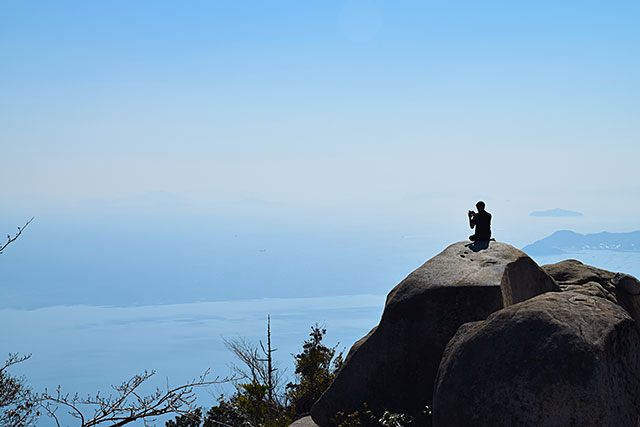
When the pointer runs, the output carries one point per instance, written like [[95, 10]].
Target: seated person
[[482, 223]]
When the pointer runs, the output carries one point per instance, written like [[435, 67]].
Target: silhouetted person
[[481, 221]]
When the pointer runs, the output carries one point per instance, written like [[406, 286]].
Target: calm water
[[88, 348]]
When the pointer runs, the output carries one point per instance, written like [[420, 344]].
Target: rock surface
[[620, 288], [559, 359], [394, 367], [524, 279], [304, 422], [573, 272]]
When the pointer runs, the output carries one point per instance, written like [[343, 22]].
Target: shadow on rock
[[478, 245]]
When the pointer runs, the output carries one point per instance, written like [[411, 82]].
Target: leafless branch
[[259, 367], [12, 359], [13, 239], [249, 355], [127, 405]]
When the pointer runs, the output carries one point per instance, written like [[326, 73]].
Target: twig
[[128, 406], [13, 239]]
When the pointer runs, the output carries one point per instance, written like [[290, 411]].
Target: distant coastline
[[566, 241]]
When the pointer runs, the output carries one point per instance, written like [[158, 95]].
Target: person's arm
[[472, 223]]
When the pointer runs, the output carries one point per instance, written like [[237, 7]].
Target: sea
[[98, 326]]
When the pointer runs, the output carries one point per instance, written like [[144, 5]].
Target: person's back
[[481, 221]]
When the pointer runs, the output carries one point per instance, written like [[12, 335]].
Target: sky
[[327, 105], [150, 126]]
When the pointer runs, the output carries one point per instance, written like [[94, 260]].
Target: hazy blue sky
[[359, 113], [327, 104]]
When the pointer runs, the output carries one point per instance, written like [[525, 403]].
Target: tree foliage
[[364, 417], [251, 407], [192, 420], [18, 404], [316, 368], [259, 400]]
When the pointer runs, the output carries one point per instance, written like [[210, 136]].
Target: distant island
[[565, 241], [555, 212]]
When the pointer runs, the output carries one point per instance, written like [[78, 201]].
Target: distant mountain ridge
[[564, 241]]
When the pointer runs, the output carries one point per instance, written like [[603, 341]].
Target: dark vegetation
[[18, 404], [366, 418], [260, 400]]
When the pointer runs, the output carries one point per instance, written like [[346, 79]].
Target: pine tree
[[316, 368]]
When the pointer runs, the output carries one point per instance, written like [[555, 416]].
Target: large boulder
[[559, 359], [394, 367], [620, 288]]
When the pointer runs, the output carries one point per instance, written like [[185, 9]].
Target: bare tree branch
[[12, 359], [259, 367], [13, 239], [128, 405]]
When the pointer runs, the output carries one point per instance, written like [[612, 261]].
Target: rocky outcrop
[[523, 279], [619, 288], [394, 367], [559, 359], [572, 272]]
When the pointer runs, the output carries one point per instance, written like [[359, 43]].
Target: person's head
[[480, 205]]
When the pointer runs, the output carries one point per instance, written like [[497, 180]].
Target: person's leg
[[473, 238]]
